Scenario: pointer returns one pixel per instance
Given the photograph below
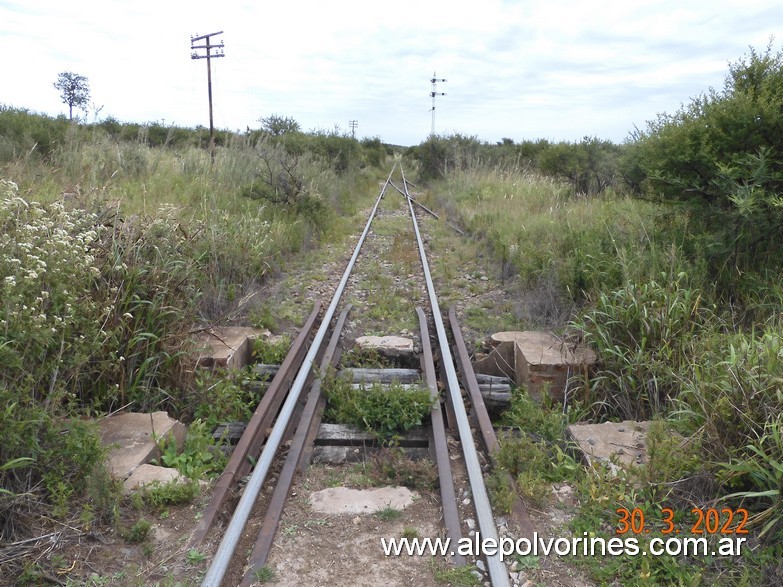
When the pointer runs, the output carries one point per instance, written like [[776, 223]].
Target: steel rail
[[498, 574], [253, 436], [490, 439], [222, 558], [448, 496], [274, 510]]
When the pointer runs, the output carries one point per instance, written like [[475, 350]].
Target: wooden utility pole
[[353, 124], [208, 56]]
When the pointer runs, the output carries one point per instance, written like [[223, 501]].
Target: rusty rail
[[483, 422], [274, 510], [448, 496], [255, 432]]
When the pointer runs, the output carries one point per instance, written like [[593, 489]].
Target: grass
[[388, 514], [635, 281]]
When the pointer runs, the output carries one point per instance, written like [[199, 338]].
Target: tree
[[589, 166], [277, 125], [74, 90]]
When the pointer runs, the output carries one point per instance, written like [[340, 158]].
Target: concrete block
[[227, 346], [149, 474], [388, 346], [543, 361], [131, 438], [342, 500], [624, 442]]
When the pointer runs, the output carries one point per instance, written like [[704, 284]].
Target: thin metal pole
[[225, 551], [498, 574]]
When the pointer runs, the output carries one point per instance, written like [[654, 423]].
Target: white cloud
[[519, 69]]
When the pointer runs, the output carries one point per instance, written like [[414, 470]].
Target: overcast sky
[[523, 69]]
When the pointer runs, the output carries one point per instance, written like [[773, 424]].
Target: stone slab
[[130, 438], [147, 474], [624, 442], [227, 346], [343, 500]]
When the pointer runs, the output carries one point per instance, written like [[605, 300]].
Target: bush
[[383, 411], [720, 157]]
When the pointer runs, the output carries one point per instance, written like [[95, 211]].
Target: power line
[[353, 124], [208, 46], [434, 81]]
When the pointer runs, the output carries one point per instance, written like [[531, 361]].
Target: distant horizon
[[520, 70]]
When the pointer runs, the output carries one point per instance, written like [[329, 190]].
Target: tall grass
[[112, 253], [670, 343]]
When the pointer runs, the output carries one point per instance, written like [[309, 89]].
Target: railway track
[[290, 412]]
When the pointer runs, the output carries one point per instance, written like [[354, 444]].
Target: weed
[[200, 456], [764, 468], [160, 495], [138, 532], [383, 411], [392, 465], [410, 533], [195, 557], [271, 353], [457, 576], [388, 514], [500, 490], [264, 575]]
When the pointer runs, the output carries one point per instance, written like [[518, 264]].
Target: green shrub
[[138, 532], [384, 411], [199, 458]]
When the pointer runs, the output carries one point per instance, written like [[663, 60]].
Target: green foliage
[[761, 469], [589, 167], [388, 514], [74, 90], [138, 532], [200, 457], [457, 576], [390, 465], [159, 496], [533, 451], [24, 134], [643, 335], [195, 557], [720, 155], [501, 491], [733, 390], [383, 411], [278, 125], [265, 574], [437, 156], [544, 420], [409, 532], [271, 353]]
